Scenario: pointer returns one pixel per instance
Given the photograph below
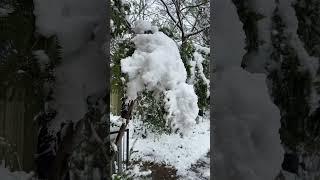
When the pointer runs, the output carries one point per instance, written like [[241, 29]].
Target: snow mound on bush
[[157, 66]]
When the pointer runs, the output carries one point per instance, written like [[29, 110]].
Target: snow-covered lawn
[[188, 155], [6, 174]]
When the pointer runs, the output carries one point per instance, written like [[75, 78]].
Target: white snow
[[256, 61], [156, 65], [203, 49], [247, 142], [181, 105], [199, 60], [82, 70], [71, 20], [202, 170], [81, 75], [137, 172], [308, 63], [172, 150], [142, 26], [6, 174]]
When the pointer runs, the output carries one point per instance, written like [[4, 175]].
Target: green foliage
[[120, 26], [123, 50], [120, 177], [206, 65], [200, 86], [151, 112]]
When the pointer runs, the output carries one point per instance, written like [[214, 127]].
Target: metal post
[[120, 157], [121, 153], [128, 150]]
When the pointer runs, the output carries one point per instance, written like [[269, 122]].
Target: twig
[[194, 6], [197, 32]]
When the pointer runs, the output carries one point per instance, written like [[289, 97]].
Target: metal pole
[[119, 157], [128, 147]]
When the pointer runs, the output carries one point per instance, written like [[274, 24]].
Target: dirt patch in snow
[[159, 171]]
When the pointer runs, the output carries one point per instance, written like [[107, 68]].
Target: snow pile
[[156, 65], [181, 105], [80, 28], [71, 20], [142, 26], [5, 174], [172, 149], [256, 60], [247, 141]]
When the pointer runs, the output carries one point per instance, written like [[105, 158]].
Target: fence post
[[120, 157], [123, 147], [128, 151]]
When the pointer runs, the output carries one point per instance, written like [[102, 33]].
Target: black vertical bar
[[127, 147], [123, 149]]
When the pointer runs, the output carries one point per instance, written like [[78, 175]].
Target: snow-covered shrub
[[200, 79], [156, 65]]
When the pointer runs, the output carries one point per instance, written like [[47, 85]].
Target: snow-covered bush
[[156, 65], [200, 79]]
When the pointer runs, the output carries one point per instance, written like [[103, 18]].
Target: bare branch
[[194, 6], [195, 22], [197, 32], [168, 11], [177, 7]]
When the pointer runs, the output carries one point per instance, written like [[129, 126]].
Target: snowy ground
[[6, 174], [186, 156]]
